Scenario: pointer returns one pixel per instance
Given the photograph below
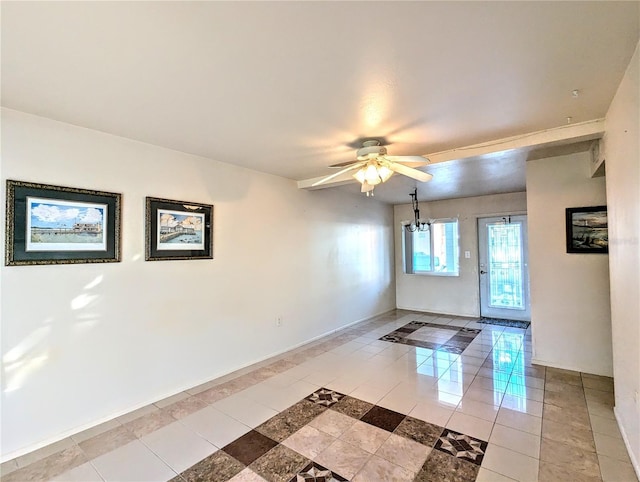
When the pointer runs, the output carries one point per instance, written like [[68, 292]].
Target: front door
[[504, 273]]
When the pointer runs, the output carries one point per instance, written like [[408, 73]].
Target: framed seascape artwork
[[587, 230], [60, 225], [178, 230]]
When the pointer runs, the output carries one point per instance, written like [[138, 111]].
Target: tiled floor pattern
[[425, 406], [339, 438], [452, 339]]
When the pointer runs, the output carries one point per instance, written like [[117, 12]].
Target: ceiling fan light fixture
[[373, 174]]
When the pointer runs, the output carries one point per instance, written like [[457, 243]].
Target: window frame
[[407, 249]]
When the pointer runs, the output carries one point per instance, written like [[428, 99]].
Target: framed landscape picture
[[61, 225], [178, 230], [587, 230]]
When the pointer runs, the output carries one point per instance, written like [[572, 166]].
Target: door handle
[[483, 272]]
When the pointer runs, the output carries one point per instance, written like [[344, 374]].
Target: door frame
[[507, 313]]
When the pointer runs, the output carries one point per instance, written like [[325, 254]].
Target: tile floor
[[404, 396]]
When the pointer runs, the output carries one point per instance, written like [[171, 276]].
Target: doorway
[[504, 271]]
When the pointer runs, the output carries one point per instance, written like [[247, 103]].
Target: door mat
[[502, 322]]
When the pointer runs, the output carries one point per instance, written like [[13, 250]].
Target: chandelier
[[416, 224]]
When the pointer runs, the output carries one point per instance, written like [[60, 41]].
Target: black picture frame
[[178, 230], [47, 224], [587, 230]]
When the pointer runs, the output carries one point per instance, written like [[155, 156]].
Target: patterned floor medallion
[[462, 446], [456, 343], [262, 450], [317, 473], [325, 397]]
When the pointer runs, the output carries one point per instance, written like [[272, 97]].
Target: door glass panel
[[506, 288]]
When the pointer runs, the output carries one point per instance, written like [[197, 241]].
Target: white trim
[[634, 461], [538, 361]]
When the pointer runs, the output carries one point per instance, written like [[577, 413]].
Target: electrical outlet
[[278, 321]]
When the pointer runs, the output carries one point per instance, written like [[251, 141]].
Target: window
[[434, 251]]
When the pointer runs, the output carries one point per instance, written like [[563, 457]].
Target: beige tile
[[343, 458], [549, 472], [184, 407], [516, 440], [404, 452], [203, 387], [567, 434], [485, 475], [522, 405], [614, 470], [469, 425], [478, 409], [605, 398], [600, 409], [379, 469], [520, 421], [576, 417], [149, 423], [97, 430], [106, 442], [365, 436], [133, 462], [435, 413], [563, 376], [216, 393], [247, 475], [141, 412], [332, 422], [165, 402], [595, 382], [49, 467], [511, 464], [605, 426], [45, 452], [309, 441], [7, 467], [570, 457], [82, 473], [611, 446], [561, 387], [565, 400]]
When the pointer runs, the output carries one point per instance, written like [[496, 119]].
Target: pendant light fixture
[[416, 224]]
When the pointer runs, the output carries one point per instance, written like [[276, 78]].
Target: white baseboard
[[562, 366], [422, 310], [634, 460]]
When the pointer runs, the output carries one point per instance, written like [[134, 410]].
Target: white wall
[[570, 315], [84, 343], [622, 159], [457, 295]]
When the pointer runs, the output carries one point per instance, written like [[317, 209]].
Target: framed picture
[[178, 230], [587, 230], [60, 225]]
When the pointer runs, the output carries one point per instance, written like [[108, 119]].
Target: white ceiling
[[288, 87]]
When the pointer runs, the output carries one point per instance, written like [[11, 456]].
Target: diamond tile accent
[[325, 397], [316, 472], [250, 447], [462, 446], [383, 418]]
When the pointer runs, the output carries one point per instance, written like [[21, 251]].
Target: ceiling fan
[[373, 166]]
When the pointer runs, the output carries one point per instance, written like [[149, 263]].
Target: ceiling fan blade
[[343, 164], [413, 161], [366, 187], [342, 171], [410, 172]]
